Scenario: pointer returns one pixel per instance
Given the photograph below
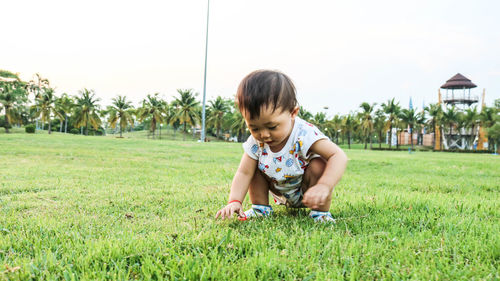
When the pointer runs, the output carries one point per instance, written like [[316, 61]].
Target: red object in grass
[[242, 218]]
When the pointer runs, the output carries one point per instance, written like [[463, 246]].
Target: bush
[[74, 131], [30, 129]]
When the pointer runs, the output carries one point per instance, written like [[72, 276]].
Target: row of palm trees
[[367, 125]]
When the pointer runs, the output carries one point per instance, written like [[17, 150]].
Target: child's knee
[[259, 182], [316, 168]]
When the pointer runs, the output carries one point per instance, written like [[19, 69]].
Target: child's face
[[271, 127]]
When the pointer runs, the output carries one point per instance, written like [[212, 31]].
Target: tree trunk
[[366, 142], [349, 139], [380, 139], [411, 137], [390, 136], [121, 129], [371, 144], [60, 125], [50, 127], [65, 124], [184, 133], [449, 138], [397, 139], [87, 128], [6, 121]]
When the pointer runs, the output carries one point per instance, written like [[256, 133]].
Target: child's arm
[[239, 187], [316, 196]]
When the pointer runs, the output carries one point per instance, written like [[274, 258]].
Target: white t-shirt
[[286, 167]]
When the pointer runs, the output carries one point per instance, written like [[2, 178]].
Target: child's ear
[[294, 112]]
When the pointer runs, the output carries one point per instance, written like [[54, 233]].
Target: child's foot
[[259, 211], [321, 216]]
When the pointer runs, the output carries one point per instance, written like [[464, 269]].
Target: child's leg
[[259, 189], [313, 172]]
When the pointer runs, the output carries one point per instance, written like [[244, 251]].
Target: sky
[[338, 53]]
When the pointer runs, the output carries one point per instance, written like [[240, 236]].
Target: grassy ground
[[83, 208]]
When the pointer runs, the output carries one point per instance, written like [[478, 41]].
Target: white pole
[[205, 81]]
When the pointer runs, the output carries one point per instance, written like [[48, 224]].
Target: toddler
[[285, 155]]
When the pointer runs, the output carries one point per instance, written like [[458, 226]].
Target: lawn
[[86, 208]]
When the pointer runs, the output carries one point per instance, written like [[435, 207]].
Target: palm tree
[[487, 117], [380, 125], [216, 112], [348, 124], [436, 113], [450, 118], [238, 125], [121, 111], [409, 118], [37, 86], [12, 95], [471, 119], [186, 108], [392, 109], [155, 108], [45, 107], [367, 122], [64, 105], [319, 119], [419, 127], [87, 110], [336, 126], [305, 115]]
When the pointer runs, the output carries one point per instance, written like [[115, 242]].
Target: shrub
[[74, 131], [30, 129]]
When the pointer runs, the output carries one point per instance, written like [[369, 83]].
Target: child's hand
[[316, 196], [229, 210]]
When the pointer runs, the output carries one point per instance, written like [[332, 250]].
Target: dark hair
[[265, 88]]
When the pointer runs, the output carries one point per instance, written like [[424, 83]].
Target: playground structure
[[458, 94]]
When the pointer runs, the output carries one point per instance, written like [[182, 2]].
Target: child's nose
[[264, 134]]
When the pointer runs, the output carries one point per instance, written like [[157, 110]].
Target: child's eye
[[254, 129], [272, 128]]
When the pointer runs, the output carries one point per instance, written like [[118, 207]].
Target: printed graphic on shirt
[[286, 167]]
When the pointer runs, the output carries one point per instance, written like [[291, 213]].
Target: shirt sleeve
[[308, 135], [251, 148]]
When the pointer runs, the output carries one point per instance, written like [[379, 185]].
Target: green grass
[[86, 208]]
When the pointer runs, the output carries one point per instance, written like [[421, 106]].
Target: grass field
[[86, 208]]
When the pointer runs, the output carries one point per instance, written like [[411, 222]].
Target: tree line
[[35, 102]]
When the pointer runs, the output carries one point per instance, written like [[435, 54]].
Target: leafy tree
[[436, 113], [348, 126], [380, 125], [45, 107], [305, 115], [186, 108], [367, 122], [87, 110], [471, 119], [392, 109], [487, 117], [238, 125], [494, 134], [121, 111], [12, 95], [336, 126], [217, 109], [450, 119], [154, 108], [409, 118], [64, 106], [319, 119], [37, 86]]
